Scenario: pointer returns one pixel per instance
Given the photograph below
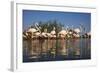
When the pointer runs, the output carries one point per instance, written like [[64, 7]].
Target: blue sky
[[66, 18]]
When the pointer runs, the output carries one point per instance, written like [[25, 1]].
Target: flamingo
[[31, 32], [63, 33], [53, 33], [25, 34], [35, 32], [44, 34], [37, 27], [76, 32], [89, 33], [38, 33], [53, 41]]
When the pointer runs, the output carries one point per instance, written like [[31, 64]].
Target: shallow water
[[37, 50]]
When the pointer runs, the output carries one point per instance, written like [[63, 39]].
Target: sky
[[66, 18]]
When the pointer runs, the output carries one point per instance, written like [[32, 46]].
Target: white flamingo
[[31, 32], [37, 27], [44, 34], [63, 32], [25, 35], [77, 31], [89, 33], [34, 32], [38, 33], [53, 33]]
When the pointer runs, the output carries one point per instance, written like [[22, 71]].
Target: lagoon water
[[38, 50]]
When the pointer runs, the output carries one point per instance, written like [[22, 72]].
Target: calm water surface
[[37, 50]]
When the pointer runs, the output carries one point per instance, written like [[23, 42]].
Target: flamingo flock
[[36, 32]]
